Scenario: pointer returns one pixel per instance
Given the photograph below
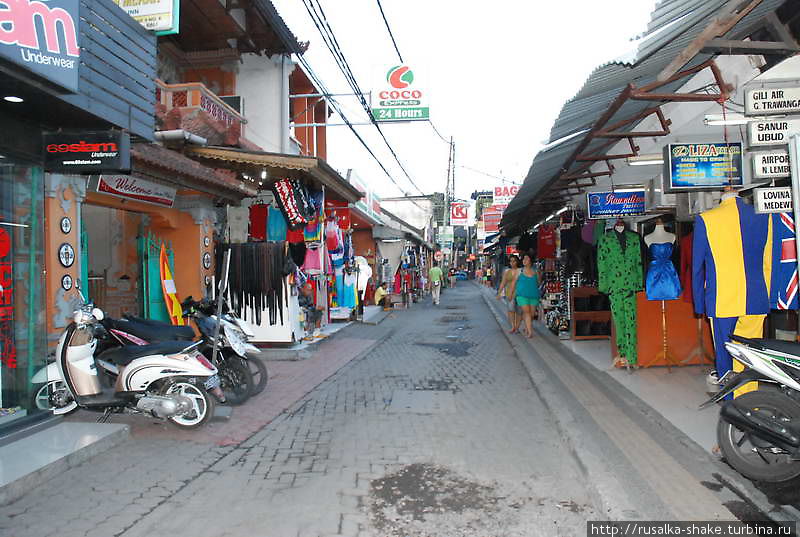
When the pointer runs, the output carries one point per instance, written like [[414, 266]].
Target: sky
[[497, 74]]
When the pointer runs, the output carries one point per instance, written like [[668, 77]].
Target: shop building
[[97, 87], [611, 176]]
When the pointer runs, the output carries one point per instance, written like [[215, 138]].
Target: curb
[[19, 487], [605, 489], [744, 490]]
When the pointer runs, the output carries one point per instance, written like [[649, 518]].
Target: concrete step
[[33, 460]]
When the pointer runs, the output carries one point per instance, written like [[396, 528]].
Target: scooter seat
[[128, 353], [786, 347], [151, 331]]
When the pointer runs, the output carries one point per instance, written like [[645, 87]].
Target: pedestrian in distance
[[452, 278], [435, 277], [527, 292], [507, 291]]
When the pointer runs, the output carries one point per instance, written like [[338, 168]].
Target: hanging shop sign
[[159, 16], [627, 202], [134, 188], [87, 151], [773, 200], [400, 97], [438, 256], [771, 132], [445, 235], [491, 219], [705, 166], [42, 38], [766, 101], [769, 164], [459, 213], [503, 194]]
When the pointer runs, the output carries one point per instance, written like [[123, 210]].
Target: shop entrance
[[112, 259]]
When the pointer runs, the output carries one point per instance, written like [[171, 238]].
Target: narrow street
[[436, 431]]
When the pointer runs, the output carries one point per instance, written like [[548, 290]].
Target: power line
[[488, 174], [388, 29], [320, 21]]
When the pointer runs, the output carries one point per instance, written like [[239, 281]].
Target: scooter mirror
[[98, 314]]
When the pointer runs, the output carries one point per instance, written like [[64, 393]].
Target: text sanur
[[772, 132]]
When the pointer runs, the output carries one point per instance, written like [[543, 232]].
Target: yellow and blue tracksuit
[[731, 271]]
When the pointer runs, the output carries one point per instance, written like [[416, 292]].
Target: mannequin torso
[[659, 236]]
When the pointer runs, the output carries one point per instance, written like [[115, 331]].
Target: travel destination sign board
[[769, 164], [772, 131], [767, 101]]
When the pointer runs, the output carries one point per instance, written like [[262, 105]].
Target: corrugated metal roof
[[673, 25]]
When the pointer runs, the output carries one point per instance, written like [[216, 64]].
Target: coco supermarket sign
[[401, 98]]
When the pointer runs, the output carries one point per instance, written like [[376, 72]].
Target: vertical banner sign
[[794, 159], [459, 213], [400, 97], [491, 219], [8, 349]]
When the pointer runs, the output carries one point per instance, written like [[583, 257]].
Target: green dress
[[620, 277]]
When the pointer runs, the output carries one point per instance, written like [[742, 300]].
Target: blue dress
[[662, 281]]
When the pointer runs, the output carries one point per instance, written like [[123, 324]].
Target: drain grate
[[451, 318], [454, 307]]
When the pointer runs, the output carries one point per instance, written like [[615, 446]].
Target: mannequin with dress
[[662, 281]]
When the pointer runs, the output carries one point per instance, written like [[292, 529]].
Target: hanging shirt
[[258, 222], [783, 290], [732, 260], [276, 225], [546, 243], [295, 236], [349, 291], [313, 261], [313, 230]]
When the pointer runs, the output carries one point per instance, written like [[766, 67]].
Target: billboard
[[705, 166]]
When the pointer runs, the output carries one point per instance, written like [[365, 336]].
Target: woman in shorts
[[527, 292], [507, 287]]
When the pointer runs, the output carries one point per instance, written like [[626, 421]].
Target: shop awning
[[612, 99], [151, 159], [278, 165]]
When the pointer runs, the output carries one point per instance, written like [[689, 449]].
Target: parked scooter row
[[759, 431], [164, 380], [116, 342]]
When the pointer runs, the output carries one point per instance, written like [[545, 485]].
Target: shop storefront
[[306, 251], [41, 177], [669, 217]]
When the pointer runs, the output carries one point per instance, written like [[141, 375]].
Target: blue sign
[[708, 166], [42, 38], [627, 202]]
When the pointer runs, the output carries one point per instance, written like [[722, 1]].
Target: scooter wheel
[[751, 456], [258, 369], [54, 396], [202, 404], [236, 380]]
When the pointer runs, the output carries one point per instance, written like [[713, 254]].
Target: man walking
[[435, 279]]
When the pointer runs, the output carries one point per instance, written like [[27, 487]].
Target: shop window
[[23, 348]]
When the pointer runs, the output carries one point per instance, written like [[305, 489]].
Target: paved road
[[435, 431]]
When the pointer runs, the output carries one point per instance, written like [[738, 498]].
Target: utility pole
[[447, 192]]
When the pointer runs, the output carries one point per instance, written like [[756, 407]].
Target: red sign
[[8, 349], [127, 186], [511, 250], [459, 213]]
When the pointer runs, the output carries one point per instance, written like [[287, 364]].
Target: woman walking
[[527, 292], [507, 289]]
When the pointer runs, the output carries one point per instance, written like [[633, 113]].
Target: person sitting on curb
[[313, 312], [381, 296]]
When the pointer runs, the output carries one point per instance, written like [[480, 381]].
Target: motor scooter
[[759, 431], [164, 380]]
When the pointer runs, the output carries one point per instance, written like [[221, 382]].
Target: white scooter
[[164, 380], [759, 431]]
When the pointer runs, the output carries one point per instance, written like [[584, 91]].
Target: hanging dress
[[662, 282]]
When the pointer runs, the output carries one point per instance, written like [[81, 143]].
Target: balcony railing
[[195, 95]]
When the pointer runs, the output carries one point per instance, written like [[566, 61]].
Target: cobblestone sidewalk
[[436, 431]]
